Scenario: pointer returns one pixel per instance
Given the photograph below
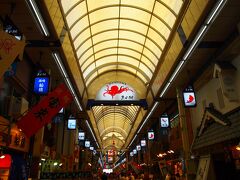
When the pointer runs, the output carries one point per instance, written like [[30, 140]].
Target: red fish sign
[[113, 90]]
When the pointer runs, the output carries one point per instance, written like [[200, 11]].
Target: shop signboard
[[143, 142], [41, 83], [117, 91], [189, 97], [150, 135], [164, 121], [138, 147], [87, 144], [81, 136], [42, 113], [134, 151], [71, 124]]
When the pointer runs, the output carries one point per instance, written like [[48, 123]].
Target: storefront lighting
[[20, 130], [89, 164], [39, 164], [2, 156], [60, 164], [55, 163], [61, 67], [43, 159], [38, 17], [238, 147]]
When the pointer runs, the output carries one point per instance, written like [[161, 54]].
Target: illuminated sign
[[71, 124], [150, 135], [119, 91], [143, 142], [134, 151], [91, 148], [87, 144], [189, 97], [138, 148], [41, 83], [164, 121], [131, 154], [81, 135]]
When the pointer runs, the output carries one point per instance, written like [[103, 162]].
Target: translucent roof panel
[[115, 121], [143, 26], [113, 35]]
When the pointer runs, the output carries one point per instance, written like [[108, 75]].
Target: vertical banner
[[10, 47], [45, 110]]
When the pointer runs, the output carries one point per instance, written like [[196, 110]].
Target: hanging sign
[[87, 144], [138, 147], [150, 135], [45, 110], [131, 154], [71, 124], [81, 136], [10, 48], [143, 142], [118, 91], [189, 97], [134, 151], [41, 83], [164, 121]]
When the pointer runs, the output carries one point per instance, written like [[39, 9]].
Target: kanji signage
[[45, 110], [118, 91], [41, 83], [189, 97], [164, 121]]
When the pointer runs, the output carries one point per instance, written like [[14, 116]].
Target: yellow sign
[[10, 47]]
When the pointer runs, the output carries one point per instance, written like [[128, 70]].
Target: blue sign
[[41, 85]]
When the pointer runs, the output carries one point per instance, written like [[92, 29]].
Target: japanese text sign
[[45, 110]]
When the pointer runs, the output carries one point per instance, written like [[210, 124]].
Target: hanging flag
[[45, 110], [10, 47]]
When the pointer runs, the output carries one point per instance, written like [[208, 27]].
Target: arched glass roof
[[114, 122], [119, 35], [110, 35]]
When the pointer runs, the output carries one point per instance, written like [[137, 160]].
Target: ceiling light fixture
[[61, 67], [38, 17], [89, 127]]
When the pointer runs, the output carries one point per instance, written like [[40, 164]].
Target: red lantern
[[5, 161]]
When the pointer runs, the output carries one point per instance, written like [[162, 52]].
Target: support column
[[189, 165]]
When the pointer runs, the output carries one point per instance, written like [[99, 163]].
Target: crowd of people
[[122, 176]]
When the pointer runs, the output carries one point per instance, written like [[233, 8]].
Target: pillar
[[189, 164]]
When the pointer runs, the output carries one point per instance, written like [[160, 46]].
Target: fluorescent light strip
[[195, 42], [59, 63], [149, 114], [66, 78], [216, 11], [179, 66], [39, 17], [165, 89], [89, 127]]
